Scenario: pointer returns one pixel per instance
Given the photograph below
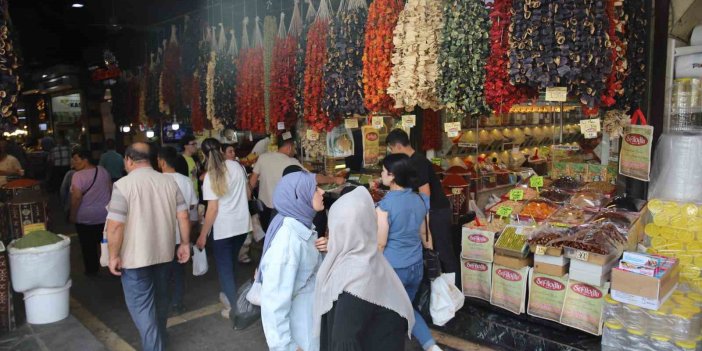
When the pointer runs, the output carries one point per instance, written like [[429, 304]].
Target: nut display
[[555, 195], [511, 241], [587, 200], [514, 205], [544, 239], [570, 215], [600, 187], [567, 183]]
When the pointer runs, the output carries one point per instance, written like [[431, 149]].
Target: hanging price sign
[[540, 250], [409, 121], [377, 122], [312, 135], [281, 125], [536, 182], [590, 127], [504, 211], [351, 123], [557, 94]]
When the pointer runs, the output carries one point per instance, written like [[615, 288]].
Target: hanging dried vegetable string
[[431, 130], [343, 70], [300, 62], [377, 54], [141, 117], [464, 49], [283, 78], [189, 53], [250, 96], [225, 80], [10, 84], [205, 53], [153, 90], [170, 86], [500, 94], [270, 30], [415, 71], [315, 57], [635, 83], [210, 80], [616, 36]]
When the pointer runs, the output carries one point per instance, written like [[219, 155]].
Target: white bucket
[[45, 306], [46, 266]]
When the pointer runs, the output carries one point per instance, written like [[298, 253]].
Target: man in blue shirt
[[112, 161]]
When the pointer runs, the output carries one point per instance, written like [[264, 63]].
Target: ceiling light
[[175, 126], [77, 5], [150, 134], [44, 75], [126, 129]]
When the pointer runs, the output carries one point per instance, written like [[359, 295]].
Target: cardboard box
[[644, 291], [513, 262], [552, 260], [643, 260], [591, 273], [550, 269]]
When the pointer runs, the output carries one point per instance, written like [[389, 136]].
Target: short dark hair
[[400, 166], [136, 155], [282, 142], [169, 155], [83, 154], [347, 189], [110, 144], [187, 139], [397, 136], [292, 169]]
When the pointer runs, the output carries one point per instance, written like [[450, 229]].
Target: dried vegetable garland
[[142, 117], [203, 62], [464, 49], [377, 54], [250, 96], [500, 94], [10, 84], [431, 130], [343, 70], [270, 30], [283, 78], [170, 88], [189, 54], [210, 81], [225, 79], [152, 91], [300, 61], [315, 57], [415, 60], [617, 25], [197, 117], [636, 56]]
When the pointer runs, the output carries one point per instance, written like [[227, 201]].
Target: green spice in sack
[[36, 239]]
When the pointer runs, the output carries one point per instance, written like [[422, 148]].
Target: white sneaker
[[225, 312], [223, 299], [434, 348]]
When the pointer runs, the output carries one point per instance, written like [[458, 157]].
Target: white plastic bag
[[254, 294], [200, 266], [258, 232], [446, 299], [104, 251]]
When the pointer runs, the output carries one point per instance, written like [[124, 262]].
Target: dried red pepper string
[[197, 115], [431, 130], [316, 55], [283, 82]]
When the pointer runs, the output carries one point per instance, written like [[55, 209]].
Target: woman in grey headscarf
[[360, 303]]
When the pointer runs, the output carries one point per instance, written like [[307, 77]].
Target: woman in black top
[[360, 303]]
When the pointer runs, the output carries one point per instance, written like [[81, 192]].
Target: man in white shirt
[[268, 171], [261, 146], [167, 161]]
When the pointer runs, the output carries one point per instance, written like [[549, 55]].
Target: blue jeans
[[411, 277], [226, 252], [178, 281], [146, 295]]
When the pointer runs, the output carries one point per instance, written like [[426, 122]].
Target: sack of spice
[[36, 239]]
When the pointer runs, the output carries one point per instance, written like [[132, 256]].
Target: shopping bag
[[200, 266], [446, 299], [104, 253], [258, 232], [254, 294], [422, 299], [244, 312]]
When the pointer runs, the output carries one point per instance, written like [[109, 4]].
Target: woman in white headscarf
[[360, 303]]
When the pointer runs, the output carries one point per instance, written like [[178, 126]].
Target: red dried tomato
[[316, 56], [283, 82], [431, 130]]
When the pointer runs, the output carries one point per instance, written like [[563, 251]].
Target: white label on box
[[643, 302], [452, 127]]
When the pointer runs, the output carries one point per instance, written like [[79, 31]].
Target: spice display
[[249, 92], [343, 70], [282, 78], [270, 30], [377, 54], [170, 86], [225, 80], [431, 130], [528, 193], [315, 58], [516, 206], [500, 94], [567, 183], [587, 200], [36, 239], [539, 209], [570, 215], [300, 61], [635, 83], [464, 49], [415, 70], [512, 242]]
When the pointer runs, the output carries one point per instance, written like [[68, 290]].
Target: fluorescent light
[[126, 129], [77, 5], [150, 134]]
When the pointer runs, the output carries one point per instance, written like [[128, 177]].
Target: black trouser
[[266, 216], [440, 222], [57, 174], [90, 236]]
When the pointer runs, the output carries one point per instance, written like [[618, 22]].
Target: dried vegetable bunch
[[614, 123], [314, 149], [250, 96], [199, 86], [415, 71], [189, 54], [343, 70], [464, 49], [431, 130], [170, 84], [300, 62], [153, 89], [270, 32], [10, 84], [143, 81], [283, 78], [315, 58], [210, 80], [377, 54], [225, 79], [500, 94], [616, 33], [635, 83]]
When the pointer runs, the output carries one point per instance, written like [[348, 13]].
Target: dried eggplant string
[[635, 83]]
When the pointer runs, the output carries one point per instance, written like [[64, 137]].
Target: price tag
[[504, 211], [557, 94], [456, 191], [33, 228], [452, 126], [452, 134], [436, 161], [409, 121], [516, 194], [536, 182], [582, 255], [351, 123], [377, 122], [286, 136], [590, 127], [281, 125], [312, 135], [540, 250]]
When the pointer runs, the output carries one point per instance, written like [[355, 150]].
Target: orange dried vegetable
[[283, 82], [316, 56], [377, 65], [539, 209]]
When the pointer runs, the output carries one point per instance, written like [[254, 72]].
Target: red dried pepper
[[431, 130], [249, 94], [197, 115], [169, 74], [615, 80], [283, 82], [377, 65], [314, 79]]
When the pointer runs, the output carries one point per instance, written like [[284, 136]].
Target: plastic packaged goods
[[636, 338], [662, 343], [589, 200], [613, 334], [567, 183], [635, 316], [555, 195], [569, 215], [544, 236], [539, 209], [612, 309], [677, 164], [660, 323]]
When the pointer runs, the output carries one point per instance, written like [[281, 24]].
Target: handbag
[[432, 264]]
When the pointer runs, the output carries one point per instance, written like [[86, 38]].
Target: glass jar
[[662, 343], [634, 316], [682, 324], [613, 308], [686, 345], [660, 323], [637, 339], [614, 334]]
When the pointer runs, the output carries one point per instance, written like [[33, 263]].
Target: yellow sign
[[409, 121], [540, 250], [351, 123], [34, 227], [590, 127], [377, 122], [516, 194], [557, 94], [312, 135]]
